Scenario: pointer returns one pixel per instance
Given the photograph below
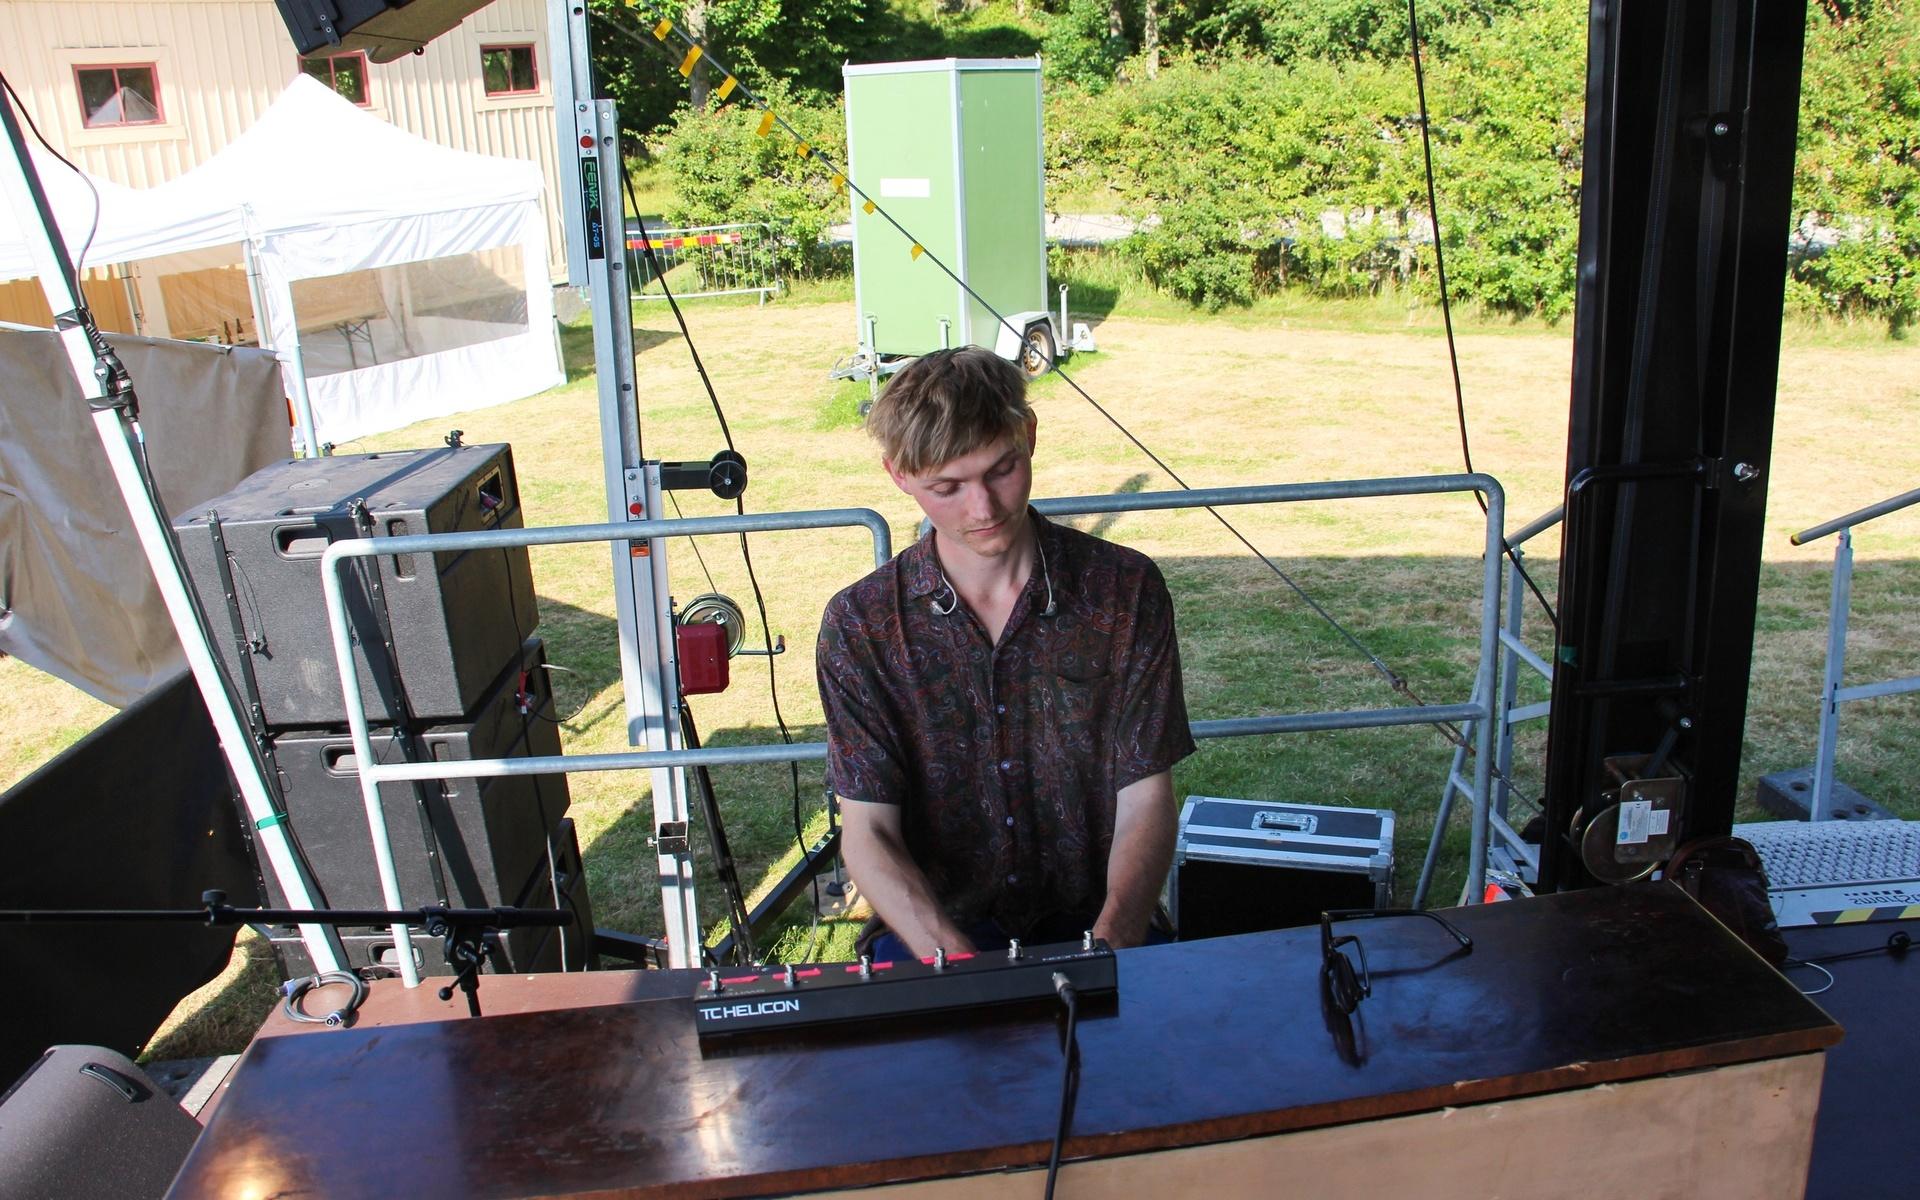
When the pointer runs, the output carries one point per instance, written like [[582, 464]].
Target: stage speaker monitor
[[453, 620], [470, 842], [384, 29]]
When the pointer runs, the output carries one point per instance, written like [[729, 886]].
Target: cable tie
[[269, 821]]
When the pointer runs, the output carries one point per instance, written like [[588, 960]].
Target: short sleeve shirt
[[1005, 759]]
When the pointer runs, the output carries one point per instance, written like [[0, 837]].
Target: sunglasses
[[1345, 973]]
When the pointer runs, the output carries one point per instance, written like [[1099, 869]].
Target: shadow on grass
[[576, 346]]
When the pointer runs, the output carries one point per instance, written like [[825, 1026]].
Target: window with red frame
[[508, 70], [344, 73], [116, 94]]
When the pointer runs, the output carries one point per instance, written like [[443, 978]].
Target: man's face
[[977, 501]]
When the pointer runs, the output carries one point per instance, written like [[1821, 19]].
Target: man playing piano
[[1003, 699]]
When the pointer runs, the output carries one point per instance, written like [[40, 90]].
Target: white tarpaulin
[[412, 278]]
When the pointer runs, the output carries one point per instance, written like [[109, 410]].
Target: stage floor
[[1864, 1146]]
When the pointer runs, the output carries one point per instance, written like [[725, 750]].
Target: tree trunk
[[698, 84], [1150, 36], [1115, 27]]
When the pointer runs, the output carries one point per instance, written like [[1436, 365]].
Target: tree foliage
[[724, 172], [1857, 166], [1280, 144]]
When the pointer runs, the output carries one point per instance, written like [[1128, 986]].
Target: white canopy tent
[[399, 279]]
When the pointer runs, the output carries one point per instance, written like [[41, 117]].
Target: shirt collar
[[920, 567]]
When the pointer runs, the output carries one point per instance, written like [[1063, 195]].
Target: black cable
[[1069, 1074], [1446, 303], [79, 264], [694, 542], [1897, 944]]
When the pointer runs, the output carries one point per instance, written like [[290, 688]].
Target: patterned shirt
[[1005, 759]]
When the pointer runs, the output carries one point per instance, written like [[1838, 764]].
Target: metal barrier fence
[[705, 260], [1840, 606], [372, 773]]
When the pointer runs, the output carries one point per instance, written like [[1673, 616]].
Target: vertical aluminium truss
[[589, 134]]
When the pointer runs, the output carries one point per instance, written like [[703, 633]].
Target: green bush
[[723, 172], [1079, 48], [1857, 170]]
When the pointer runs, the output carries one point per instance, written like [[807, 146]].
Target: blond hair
[[947, 404]]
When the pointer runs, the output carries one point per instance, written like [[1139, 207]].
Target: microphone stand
[[464, 929]]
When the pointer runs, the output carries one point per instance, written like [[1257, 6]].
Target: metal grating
[[1802, 855]]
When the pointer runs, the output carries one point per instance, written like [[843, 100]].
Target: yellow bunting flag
[[766, 123], [918, 250], [803, 149], [661, 30], [686, 64], [867, 208], [839, 182], [726, 87]]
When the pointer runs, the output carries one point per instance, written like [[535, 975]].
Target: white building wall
[[222, 62]]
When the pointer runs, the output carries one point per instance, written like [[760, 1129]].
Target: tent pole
[[294, 361], [109, 393]]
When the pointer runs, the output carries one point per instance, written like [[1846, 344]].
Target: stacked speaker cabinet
[[448, 669]]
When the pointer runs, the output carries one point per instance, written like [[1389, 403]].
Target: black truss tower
[[1691, 115]]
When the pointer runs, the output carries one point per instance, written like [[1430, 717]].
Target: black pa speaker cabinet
[[484, 836], [456, 618], [525, 950], [384, 29]]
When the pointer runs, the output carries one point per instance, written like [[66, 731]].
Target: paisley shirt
[[1005, 759]]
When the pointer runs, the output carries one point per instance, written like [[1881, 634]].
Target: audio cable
[[295, 991], [1069, 1073]]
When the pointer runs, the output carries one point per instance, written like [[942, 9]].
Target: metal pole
[[1483, 686], [1509, 687], [294, 359], [1837, 611], [1857, 517]]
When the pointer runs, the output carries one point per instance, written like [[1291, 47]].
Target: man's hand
[[1143, 836], [876, 856]]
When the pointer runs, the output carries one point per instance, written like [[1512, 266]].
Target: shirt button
[[1000, 708], [1006, 764], [1009, 822], [1013, 879]]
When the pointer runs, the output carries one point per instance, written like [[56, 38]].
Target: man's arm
[[1143, 836], [876, 856]]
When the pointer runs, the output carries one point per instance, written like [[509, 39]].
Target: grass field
[[1283, 393]]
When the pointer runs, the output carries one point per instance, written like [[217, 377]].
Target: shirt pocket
[[1079, 685]]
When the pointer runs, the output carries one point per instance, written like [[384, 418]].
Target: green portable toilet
[[951, 149]]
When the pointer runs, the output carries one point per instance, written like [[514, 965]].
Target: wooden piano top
[[1210, 1041]]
